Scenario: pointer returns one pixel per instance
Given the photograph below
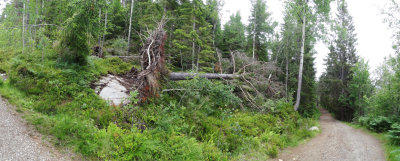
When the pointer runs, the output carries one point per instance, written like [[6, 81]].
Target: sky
[[374, 37], [2, 5]]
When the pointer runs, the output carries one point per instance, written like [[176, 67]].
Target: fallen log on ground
[[186, 76]]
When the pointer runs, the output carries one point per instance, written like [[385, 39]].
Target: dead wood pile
[[253, 79]]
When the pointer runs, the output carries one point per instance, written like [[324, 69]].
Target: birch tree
[[313, 10], [130, 26]]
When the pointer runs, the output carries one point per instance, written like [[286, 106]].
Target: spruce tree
[[259, 30], [341, 59], [234, 34]]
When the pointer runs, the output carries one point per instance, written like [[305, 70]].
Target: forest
[[197, 89]]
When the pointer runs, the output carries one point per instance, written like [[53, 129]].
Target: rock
[[3, 76], [280, 160], [111, 88], [314, 128]]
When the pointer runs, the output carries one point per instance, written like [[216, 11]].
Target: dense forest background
[[53, 51]]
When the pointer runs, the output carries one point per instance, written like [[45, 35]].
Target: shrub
[[1, 82], [118, 47], [364, 121], [394, 134], [199, 90], [379, 124]]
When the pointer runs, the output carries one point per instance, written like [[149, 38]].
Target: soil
[[337, 142]]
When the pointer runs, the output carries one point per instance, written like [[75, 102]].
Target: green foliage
[[260, 29], [234, 34], [199, 90], [394, 134], [202, 120], [360, 88], [118, 47], [376, 124], [340, 93], [74, 41], [200, 123]]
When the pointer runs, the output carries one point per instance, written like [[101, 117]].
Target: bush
[[376, 124], [394, 134], [203, 92], [364, 121], [1, 82]]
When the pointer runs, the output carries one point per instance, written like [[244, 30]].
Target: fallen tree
[[254, 81], [186, 76], [153, 64]]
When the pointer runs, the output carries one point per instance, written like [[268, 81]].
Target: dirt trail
[[337, 142], [19, 141]]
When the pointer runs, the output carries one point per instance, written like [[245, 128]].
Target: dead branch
[[187, 76]]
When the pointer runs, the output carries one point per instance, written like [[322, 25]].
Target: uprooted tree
[[254, 80], [153, 63]]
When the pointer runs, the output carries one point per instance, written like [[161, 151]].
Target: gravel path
[[337, 142], [19, 142]]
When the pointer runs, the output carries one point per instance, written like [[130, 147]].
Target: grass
[[205, 124], [392, 152]]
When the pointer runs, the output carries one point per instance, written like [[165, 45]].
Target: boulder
[[314, 128], [113, 89]]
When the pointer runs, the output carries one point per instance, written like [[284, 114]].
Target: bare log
[[187, 76]]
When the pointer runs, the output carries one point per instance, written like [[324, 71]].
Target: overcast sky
[[2, 4], [374, 37]]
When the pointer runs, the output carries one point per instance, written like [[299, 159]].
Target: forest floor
[[337, 142], [19, 141]]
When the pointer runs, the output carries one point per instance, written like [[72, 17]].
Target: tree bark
[[254, 35], [123, 3], [130, 26], [187, 76], [23, 30], [287, 77], [105, 29], [193, 43], [99, 38], [300, 79]]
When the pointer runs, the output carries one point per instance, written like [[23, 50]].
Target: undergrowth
[[205, 122]]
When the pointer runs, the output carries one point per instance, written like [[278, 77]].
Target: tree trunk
[[254, 36], [23, 30], [105, 29], [219, 60], [287, 77], [300, 79], [36, 19], [198, 59], [123, 3], [130, 26], [193, 43], [187, 76], [99, 38]]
